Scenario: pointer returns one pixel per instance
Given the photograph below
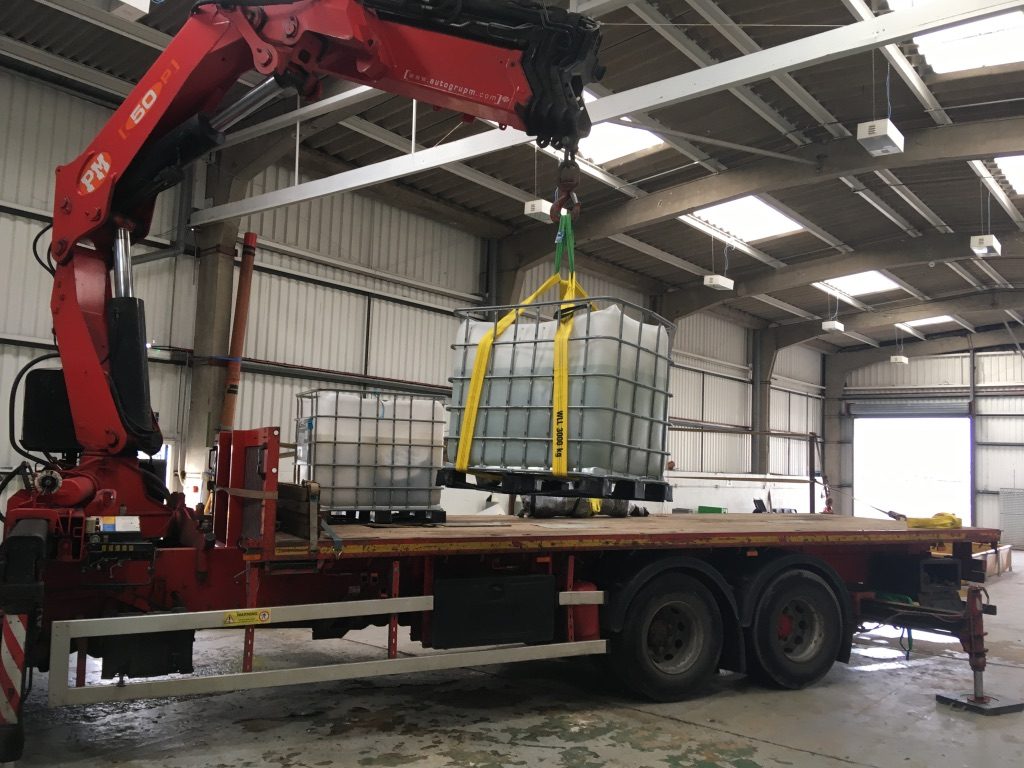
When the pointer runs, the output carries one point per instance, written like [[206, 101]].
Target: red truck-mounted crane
[[514, 62], [97, 552]]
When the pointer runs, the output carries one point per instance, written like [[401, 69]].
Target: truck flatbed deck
[[474, 534]]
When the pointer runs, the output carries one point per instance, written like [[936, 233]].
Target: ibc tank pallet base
[[527, 484], [386, 516]]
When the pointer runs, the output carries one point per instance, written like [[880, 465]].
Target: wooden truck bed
[[469, 534]]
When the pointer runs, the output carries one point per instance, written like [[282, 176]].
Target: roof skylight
[[1013, 169], [748, 219], [986, 43], [862, 283], [929, 321], [610, 141]]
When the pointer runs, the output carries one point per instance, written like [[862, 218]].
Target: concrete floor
[[878, 711]]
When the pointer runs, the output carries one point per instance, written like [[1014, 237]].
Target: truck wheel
[[797, 631], [671, 639]]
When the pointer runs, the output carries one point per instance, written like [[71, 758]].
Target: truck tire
[[671, 639], [797, 631]]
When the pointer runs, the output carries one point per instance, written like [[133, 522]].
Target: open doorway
[[916, 466]]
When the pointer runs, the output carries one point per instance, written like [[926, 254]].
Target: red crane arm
[[515, 62]]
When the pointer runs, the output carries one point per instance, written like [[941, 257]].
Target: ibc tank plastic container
[[370, 451], [618, 391]]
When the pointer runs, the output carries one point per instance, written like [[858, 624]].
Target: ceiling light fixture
[[986, 245]]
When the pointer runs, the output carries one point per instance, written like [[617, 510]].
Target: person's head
[[828, 501], [670, 465]]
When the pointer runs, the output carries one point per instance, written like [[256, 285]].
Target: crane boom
[[515, 62]]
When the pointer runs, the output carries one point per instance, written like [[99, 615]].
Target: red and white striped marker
[[12, 666]]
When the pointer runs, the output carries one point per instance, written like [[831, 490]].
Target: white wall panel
[[1000, 429], [987, 510], [25, 289], [1000, 467], [1000, 368], [685, 388], [369, 233], [300, 323], [168, 288], [43, 127], [168, 392], [593, 283], [946, 371], [799, 363], [684, 448], [726, 453], [702, 337], [410, 344], [343, 278], [727, 402], [990, 405]]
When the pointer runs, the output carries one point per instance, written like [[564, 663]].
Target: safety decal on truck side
[[243, 618], [12, 665]]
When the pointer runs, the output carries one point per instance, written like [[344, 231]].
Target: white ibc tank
[[370, 451], [409, 446], [618, 395]]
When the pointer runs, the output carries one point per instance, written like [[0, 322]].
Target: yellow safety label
[[243, 618]]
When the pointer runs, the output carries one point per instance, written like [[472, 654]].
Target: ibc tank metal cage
[[619, 362], [371, 450]]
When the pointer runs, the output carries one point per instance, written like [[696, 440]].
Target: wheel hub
[[674, 638], [800, 630]]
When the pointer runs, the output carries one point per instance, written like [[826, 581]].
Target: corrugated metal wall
[[710, 386], [930, 384], [796, 406], [595, 284], [343, 284], [710, 343]]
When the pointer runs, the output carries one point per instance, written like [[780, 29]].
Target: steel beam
[[904, 285], [90, 14], [65, 68], [906, 313], [966, 325], [469, 173], [872, 199], [988, 269], [862, 338], [968, 278], [817, 49], [683, 147], [928, 249], [995, 189], [698, 139], [906, 71], [963, 141], [785, 306], [745, 44], [678, 40], [357, 98], [916, 203], [910, 331], [844, 362]]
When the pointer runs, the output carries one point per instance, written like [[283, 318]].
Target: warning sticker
[[242, 618]]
